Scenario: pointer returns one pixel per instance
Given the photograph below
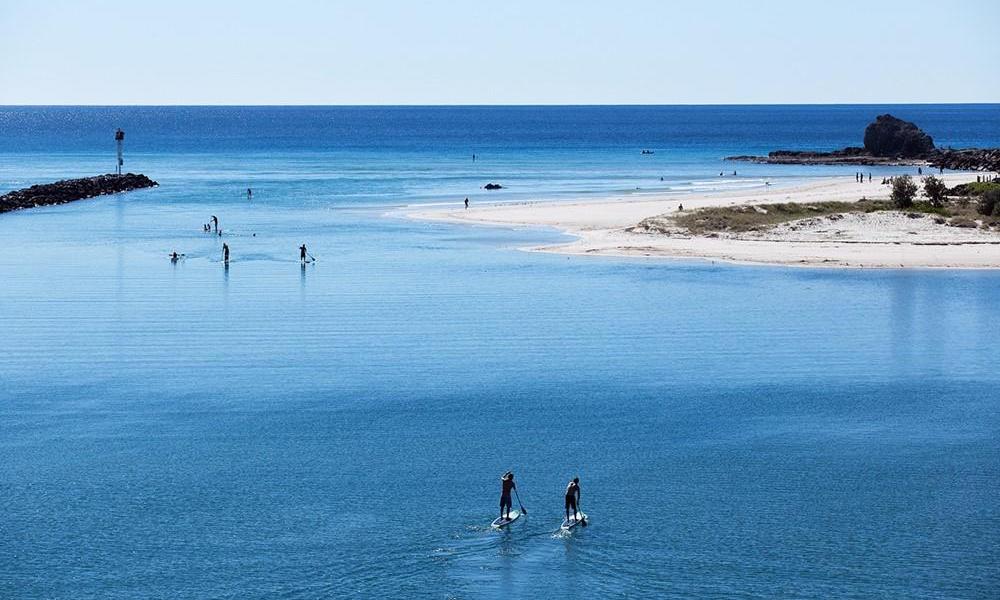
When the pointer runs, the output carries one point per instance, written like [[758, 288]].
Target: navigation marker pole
[[120, 142]]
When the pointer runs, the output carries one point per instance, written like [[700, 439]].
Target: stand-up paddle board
[[573, 521], [501, 522]]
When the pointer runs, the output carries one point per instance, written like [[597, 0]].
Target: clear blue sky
[[497, 52]]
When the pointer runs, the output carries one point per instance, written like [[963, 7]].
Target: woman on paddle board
[[506, 486], [572, 497]]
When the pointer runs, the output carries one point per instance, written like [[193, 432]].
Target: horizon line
[[526, 105]]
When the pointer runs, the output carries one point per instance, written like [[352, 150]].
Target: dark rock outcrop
[[493, 186], [890, 136], [889, 141], [969, 159], [69, 190]]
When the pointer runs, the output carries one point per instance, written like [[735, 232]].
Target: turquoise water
[[186, 430]]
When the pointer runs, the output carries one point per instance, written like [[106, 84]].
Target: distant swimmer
[[466, 204], [473, 158], [215, 222], [573, 497], [174, 257], [302, 253], [721, 174], [506, 486], [225, 253]]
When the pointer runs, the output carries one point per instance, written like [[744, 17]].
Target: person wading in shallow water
[[573, 497], [506, 486], [225, 253], [466, 204], [215, 222]]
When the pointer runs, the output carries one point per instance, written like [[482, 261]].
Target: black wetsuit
[[302, 252], [505, 501], [572, 498]]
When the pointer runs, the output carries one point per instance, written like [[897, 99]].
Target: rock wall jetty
[[69, 190], [889, 141]]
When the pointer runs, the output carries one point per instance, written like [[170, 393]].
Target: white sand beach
[[880, 240]]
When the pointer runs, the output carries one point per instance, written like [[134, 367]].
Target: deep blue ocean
[[186, 430]]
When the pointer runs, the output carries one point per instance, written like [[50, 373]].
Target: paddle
[[518, 496], [311, 257]]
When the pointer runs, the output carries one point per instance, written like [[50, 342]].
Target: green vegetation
[[747, 217], [903, 191], [935, 190], [975, 188], [744, 218], [989, 203]]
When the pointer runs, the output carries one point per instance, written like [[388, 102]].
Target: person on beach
[[506, 487], [225, 253], [302, 253], [869, 176], [572, 497], [466, 204], [215, 222]]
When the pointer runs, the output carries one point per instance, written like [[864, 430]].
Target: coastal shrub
[[903, 191], [973, 188], [750, 217], [935, 190], [989, 203]]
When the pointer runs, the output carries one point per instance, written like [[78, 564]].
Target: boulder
[[890, 136]]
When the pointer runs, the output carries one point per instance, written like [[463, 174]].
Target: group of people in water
[[213, 226], [571, 502]]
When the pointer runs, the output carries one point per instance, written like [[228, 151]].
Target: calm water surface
[[187, 431]]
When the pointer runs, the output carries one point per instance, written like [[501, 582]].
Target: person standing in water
[[466, 204], [506, 487], [573, 497], [225, 253], [215, 222], [302, 253], [249, 194]]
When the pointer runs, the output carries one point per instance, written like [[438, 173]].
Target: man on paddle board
[[506, 486], [572, 497]]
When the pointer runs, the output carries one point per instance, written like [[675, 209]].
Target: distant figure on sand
[[302, 253], [506, 486], [225, 253], [215, 222], [466, 204], [572, 497]]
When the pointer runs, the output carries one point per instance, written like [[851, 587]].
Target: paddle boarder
[[225, 253], [302, 253], [506, 486], [573, 497]]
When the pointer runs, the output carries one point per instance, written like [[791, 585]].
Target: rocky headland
[[69, 190], [889, 141]]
